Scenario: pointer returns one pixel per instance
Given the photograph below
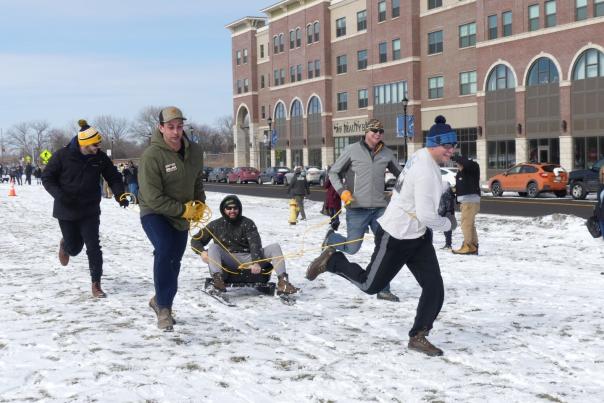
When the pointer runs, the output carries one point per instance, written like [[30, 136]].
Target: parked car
[[274, 175], [389, 178], [205, 173], [314, 175], [243, 175], [218, 174], [583, 181], [530, 179]]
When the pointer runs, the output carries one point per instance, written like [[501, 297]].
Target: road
[[514, 206]]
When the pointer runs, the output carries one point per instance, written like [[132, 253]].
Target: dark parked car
[[206, 173], [583, 181], [219, 174], [243, 175], [274, 175]]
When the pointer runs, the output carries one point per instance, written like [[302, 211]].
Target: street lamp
[[405, 103], [270, 140]]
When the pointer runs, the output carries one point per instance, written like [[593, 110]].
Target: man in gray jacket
[[358, 177]]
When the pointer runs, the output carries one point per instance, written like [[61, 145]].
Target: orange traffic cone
[[11, 190]]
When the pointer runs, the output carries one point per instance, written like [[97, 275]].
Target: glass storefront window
[[501, 154], [314, 157]]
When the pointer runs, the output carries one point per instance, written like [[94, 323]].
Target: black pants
[[389, 256], [82, 232]]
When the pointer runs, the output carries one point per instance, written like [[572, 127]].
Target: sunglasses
[[97, 145], [229, 208], [374, 131], [448, 146]]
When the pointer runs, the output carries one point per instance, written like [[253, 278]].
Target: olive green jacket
[[167, 181]]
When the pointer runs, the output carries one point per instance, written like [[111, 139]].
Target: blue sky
[[65, 59]]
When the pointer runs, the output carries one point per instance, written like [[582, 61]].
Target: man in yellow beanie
[[72, 177]]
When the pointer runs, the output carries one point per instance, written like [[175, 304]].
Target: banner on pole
[[400, 124]]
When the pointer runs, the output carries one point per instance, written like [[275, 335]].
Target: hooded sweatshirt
[[168, 179]]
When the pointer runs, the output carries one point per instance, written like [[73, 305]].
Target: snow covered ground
[[522, 322]]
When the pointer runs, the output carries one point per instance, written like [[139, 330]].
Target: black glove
[[451, 217], [68, 200], [122, 200]]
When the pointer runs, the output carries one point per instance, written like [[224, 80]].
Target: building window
[[310, 70], [309, 34], [598, 8], [550, 13], [543, 71], [492, 26], [246, 85], [383, 52], [263, 112], [580, 10], [317, 68], [391, 93], [276, 77], [281, 43], [382, 10], [299, 72], [435, 87], [238, 57], [262, 81], [362, 97], [396, 8], [506, 18], [467, 35], [262, 51], [467, 83], [292, 40], [341, 64], [362, 59], [501, 154], [500, 78], [316, 29], [282, 80], [589, 65], [434, 3], [342, 101], [245, 56], [435, 42], [275, 45], [239, 89], [396, 49], [533, 17], [340, 27], [298, 37], [292, 74], [362, 20]]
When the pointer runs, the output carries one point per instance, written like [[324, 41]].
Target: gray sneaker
[[387, 296], [319, 265]]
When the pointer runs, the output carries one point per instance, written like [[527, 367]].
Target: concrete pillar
[[238, 147], [327, 156], [481, 157], [288, 157], [305, 156], [566, 152], [521, 149]]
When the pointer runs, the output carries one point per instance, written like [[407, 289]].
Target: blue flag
[[400, 124]]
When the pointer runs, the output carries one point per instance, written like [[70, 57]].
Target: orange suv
[[530, 179]]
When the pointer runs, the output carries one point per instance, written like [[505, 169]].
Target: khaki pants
[[468, 222]]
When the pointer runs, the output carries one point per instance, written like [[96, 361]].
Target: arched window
[[316, 29], [280, 111], [500, 78], [543, 71], [296, 109], [590, 64], [309, 33], [314, 106]]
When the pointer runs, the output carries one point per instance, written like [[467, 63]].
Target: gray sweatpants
[[217, 254]]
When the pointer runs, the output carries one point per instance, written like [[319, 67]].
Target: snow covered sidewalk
[[521, 322]]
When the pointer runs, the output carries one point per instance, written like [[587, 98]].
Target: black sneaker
[[446, 247], [319, 265], [421, 344]]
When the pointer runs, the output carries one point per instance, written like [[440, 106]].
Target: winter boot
[[97, 292], [164, 320], [319, 265], [218, 282], [466, 249], [388, 296], [155, 307], [284, 286], [63, 255], [421, 344]]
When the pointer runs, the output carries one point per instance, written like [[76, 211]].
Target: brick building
[[519, 80]]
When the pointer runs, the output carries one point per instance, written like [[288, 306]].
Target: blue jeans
[[358, 221], [169, 244], [133, 188], [602, 227]]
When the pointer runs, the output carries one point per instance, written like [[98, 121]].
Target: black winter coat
[[74, 180], [238, 236], [447, 203], [467, 180], [299, 186]]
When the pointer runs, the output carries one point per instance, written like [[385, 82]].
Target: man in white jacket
[[405, 236]]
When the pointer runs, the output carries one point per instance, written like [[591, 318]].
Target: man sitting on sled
[[237, 241]]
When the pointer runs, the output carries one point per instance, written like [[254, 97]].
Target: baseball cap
[[170, 113]]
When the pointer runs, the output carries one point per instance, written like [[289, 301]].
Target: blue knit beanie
[[440, 133]]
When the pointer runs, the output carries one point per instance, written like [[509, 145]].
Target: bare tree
[[58, 138], [19, 139], [116, 131], [224, 128], [145, 123], [39, 138]]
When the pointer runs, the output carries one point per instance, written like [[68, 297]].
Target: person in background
[[29, 169], [298, 189], [332, 203], [600, 201], [72, 178], [467, 188], [38, 174], [358, 177], [446, 208], [131, 178], [171, 182]]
